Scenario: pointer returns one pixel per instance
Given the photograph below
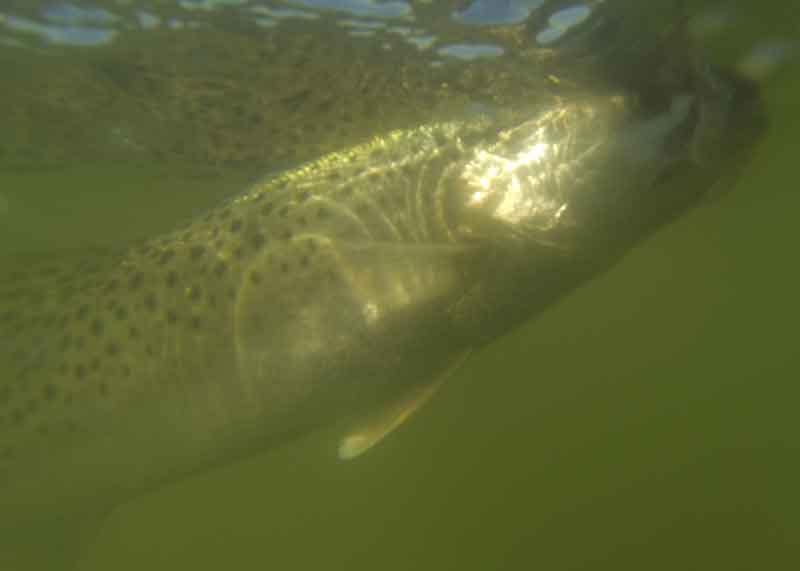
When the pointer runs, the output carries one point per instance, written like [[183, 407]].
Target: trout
[[342, 290]]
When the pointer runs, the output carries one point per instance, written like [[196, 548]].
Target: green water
[[647, 421]]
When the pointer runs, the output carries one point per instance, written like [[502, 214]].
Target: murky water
[[646, 421]]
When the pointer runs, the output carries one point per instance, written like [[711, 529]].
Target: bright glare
[[520, 180]]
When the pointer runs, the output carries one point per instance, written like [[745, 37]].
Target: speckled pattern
[[85, 340]]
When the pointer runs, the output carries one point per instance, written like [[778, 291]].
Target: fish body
[[339, 286]]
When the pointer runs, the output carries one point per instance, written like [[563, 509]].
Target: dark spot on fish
[[97, 327], [148, 349], [172, 278], [224, 214], [49, 392], [267, 209], [121, 313], [304, 261], [377, 153], [80, 371], [322, 213], [212, 301], [302, 220], [172, 317], [236, 225], [303, 196], [220, 268], [284, 211], [287, 235], [196, 252], [133, 332], [284, 267], [112, 349], [255, 277], [258, 241], [150, 301], [166, 256], [196, 322], [136, 280], [195, 293], [83, 311], [238, 253], [439, 138], [214, 233]]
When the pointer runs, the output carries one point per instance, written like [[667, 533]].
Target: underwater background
[[647, 421]]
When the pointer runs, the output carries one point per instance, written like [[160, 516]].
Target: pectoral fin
[[377, 426]]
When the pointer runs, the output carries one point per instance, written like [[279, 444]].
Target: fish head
[[609, 154]]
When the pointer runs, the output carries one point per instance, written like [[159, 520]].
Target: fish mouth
[[727, 114], [709, 150]]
